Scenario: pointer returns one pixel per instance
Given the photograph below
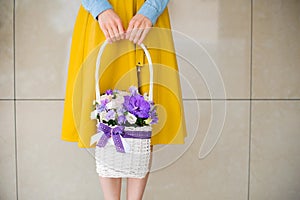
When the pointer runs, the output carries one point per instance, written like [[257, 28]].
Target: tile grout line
[[250, 103], [184, 99], [15, 102], [242, 99]]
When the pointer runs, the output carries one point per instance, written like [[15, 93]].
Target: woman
[[115, 20]]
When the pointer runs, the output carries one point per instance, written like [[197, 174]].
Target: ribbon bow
[[109, 132]]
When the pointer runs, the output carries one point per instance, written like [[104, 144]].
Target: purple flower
[[111, 115], [109, 92], [133, 90], [137, 106], [154, 120], [154, 117], [121, 119], [101, 107]]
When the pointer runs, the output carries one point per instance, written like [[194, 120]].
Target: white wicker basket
[[134, 163]]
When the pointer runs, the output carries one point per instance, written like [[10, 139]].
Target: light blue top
[[151, 9]]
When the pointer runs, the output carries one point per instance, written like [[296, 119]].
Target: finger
[[128, 31], [138, 35], [121, 31], [106, 34], [143, 36], [133, 33], [111, 34], [116, 33], [104, 30]]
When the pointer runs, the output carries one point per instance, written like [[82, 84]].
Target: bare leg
[[111, 188], [136, 187]]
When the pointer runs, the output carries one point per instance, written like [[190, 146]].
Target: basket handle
[[98, 66]]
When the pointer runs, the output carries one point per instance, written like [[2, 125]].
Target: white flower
[[131, 118], [119, 100], [123, 93], [148, 121], [120, 111], [109, 105], [102, 115], [94, 114], [105, 96], [115, 103]]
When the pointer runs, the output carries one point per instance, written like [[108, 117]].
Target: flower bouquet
[[120, 115]]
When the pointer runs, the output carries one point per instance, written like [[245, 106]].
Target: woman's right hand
[[111, 25]]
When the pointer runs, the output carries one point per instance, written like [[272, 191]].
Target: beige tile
[[275, 160], [49, 168], [43, 34], [6, 51], [223, 174], [7, 153], [276, 47], [222, 28], [197, 72]]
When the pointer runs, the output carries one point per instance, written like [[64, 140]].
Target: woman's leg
[[111, 188], [136, 187]]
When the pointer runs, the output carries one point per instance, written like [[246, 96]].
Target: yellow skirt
[[118, 71]]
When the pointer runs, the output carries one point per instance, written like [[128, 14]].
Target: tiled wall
[[256, 48]]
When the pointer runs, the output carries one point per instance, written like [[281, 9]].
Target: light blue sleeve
[[152, 9], [95, 7]]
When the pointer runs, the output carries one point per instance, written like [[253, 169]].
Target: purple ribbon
[[116, 134]]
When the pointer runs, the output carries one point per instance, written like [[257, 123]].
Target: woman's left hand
[[138, 28]]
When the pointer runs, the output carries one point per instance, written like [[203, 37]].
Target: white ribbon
[[96, 137]]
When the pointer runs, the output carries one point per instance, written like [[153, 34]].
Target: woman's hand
[[138, 28], [111, 25]]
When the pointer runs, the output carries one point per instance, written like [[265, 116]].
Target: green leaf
[[140, 122], [112, 122]]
